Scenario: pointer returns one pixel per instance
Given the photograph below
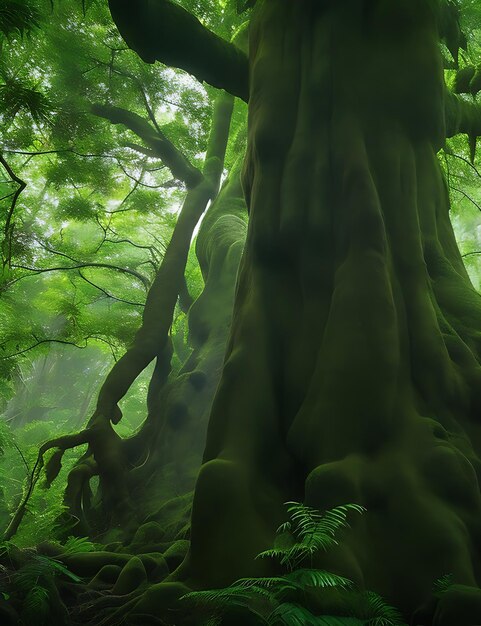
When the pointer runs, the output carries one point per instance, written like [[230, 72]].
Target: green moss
[[132, 576]]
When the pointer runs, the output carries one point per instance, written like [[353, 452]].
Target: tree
[[352, 372], [352, 368]]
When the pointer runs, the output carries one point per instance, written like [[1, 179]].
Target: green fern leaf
[[373, 608], [36, 606], [291, 614], [221, 598], [41, 568], [249, 583], [318, 578], [442, 584], [77, 545], [284, 528], [274, 553]]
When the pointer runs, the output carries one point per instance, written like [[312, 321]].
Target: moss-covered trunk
[[352, 373]]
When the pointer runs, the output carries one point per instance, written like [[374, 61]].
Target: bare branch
[[109, 295], [122, 270], [468, 197], [42, 342]]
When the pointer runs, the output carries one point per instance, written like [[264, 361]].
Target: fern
[[291, 614], [313, 530], [442, 584], [38, 569], [318, 578], [268, 583], [308, 532], [221, 598], [77, 545], [372, 608], [36, 606]]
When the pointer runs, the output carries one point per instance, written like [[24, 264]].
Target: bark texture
[[353, 367]]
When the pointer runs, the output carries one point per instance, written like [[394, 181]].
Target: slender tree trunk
[[352, 372]]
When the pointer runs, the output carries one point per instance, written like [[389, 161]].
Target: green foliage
[[291, 614], [29, 578], [313, 531], [18, 17], [40, 568], [277, 601], [79, 545], [16, 95], [442, 584]]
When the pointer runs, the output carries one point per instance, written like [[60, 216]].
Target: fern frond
[[274, 553], [284, 528], [221, 598], [318, 578], [372, 607], [310, 521], [268, 583], [77, 545], [335, 519], [442, 584], [36, 606], [291, 614], [38, 569]]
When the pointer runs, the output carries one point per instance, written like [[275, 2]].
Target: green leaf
[[291, 614], [17, 16], [36, 606], [78, 545], [317, 578]]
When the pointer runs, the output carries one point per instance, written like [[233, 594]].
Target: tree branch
[[43, 341], [159, 30], [8, 230], [462, 116], [109, 295], [155, 140], [467, 196], [123, 270]]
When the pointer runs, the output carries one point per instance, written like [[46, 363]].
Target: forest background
[[98, 153]]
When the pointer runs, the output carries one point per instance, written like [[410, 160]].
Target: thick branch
[[155, 140], [159, 30], [462, 116]]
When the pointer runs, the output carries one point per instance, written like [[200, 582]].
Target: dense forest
[[240, 312]]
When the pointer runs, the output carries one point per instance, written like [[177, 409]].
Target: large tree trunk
[[352, 372]]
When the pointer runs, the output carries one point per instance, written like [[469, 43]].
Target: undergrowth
[[295, 598]]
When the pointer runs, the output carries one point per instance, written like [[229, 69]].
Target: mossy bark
[[352, 372]]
